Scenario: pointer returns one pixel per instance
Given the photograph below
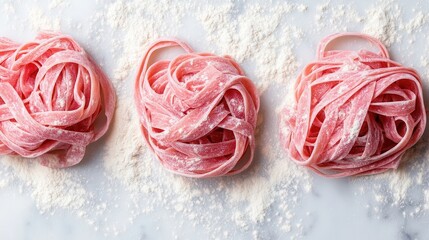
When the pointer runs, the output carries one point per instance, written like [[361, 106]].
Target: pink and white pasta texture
[[355, 112], [54, 100], [197, 111]]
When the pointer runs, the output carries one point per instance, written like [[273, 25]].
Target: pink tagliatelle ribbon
[[197, 111], [51, 99], [356, 112]]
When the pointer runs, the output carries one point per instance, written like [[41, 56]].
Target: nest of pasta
[[54, 100], [197, 112], [355, 112]]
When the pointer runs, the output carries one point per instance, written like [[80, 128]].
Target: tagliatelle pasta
[[197, 111], [356, 112], [52, 98]]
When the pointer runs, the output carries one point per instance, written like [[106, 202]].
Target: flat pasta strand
[[52, 98], [197, 112], [355, 112]]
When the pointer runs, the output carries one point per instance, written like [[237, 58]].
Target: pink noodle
[[197, 111], [51, 96], [356, 112]]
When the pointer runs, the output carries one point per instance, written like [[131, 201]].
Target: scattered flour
[[416, 22], [50, 188], [400, 182], [57, 4], [125, 17], [122, 160], [268, 194], [382, 22], [337, 17], [39, 20], [8, 8], [426, 199], [257, 36]]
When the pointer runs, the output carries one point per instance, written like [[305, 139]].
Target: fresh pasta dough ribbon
[[52, 98], [356, 112], [197, 111]]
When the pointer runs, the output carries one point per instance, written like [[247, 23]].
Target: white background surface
[[333, 209]]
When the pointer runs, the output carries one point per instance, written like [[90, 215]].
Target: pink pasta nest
[[355, 112], [51, 99], [197, 112]]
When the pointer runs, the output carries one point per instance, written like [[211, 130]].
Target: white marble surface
[[332, 209]]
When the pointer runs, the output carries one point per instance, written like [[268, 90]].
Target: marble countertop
[[262, 203]]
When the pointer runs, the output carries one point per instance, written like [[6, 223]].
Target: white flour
[[122, 160], [416, 22], [268, 194], [255, 36], [40, 21], [126, 17], [381, 24], [50, 188]]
